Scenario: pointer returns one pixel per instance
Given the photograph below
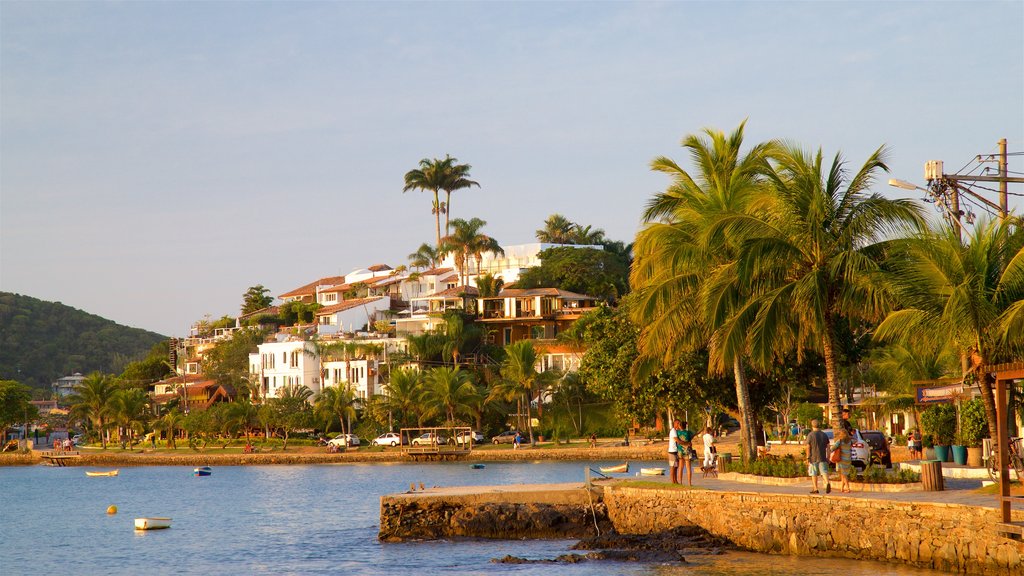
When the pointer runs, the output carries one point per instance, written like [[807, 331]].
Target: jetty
[[60, 458], [955, 530]]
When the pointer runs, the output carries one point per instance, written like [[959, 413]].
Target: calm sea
[[292, 520]]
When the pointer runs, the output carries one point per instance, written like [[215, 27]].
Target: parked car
[[467, 437], [347, 440], [507, 437], [879, 444], [76, 439], [861, 452], [431, 439], [388, 439]]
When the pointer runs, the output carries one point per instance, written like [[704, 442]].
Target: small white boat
[[152, 523], [652, 471], [107, 473], [620, 469]]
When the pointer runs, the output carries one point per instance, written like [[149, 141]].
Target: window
[[536, 332], [295, 360], [507, 336], [331, 297]]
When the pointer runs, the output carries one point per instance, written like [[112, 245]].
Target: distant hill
[[47, 340]]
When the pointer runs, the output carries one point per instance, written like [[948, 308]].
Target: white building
[[516, 259], [352, 315], [65, 386], [285, 363], [361, 375]]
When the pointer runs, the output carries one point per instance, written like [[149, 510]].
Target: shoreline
[[300, 457]]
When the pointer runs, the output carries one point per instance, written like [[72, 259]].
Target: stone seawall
[[932, 535], [509, 512]]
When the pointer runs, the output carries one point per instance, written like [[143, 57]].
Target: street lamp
[[897, 183]]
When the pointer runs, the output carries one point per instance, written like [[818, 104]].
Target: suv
[[861, 452], [879, 444], [507, 437], [387, 439], [345, 440]]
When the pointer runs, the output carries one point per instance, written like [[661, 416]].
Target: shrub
[[786, 467], [940, 421], [973, 423], [879, 475]]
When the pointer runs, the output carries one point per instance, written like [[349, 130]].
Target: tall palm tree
[[170, 423], [336, 402], [449, 391], [467, 241], [129, 410], [92, 401], [241, 414], [457, 179], [587, 235], [968, 291], [685, 274], [436, 175], [557, 230], [815, 257], [489, 286], [520, 368]]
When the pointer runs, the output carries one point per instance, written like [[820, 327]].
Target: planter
[[929, 453], [974, 457], [960, 455], [942, 453]]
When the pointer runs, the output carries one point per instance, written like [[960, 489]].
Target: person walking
[[686, 454], [673, 452], [844, 422], [844, 443], [910, 444], [517, 441], [709, 448], [817, 457]]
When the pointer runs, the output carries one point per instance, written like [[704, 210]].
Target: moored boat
[[152, 523], [620, 469], [202, 471], [652, 471], [478, 466], [105, 473]]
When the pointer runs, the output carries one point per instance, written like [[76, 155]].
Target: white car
[[430, 439], [467, 437], [345, 440], [387, 439], [861, 452]]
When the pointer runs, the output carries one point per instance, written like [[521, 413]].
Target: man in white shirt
[[709, 448], [673, 453]]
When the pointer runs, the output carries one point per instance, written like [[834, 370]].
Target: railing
[[438, 441]]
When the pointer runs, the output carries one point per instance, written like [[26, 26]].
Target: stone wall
[[941, 536]]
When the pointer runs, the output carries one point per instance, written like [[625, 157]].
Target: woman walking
[[844, 444]]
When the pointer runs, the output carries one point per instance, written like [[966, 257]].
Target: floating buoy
[[477, 466], [111, 509]]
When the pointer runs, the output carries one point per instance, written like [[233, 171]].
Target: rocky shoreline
[[668, 546]]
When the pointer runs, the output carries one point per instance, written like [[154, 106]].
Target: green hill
[[41, 341]]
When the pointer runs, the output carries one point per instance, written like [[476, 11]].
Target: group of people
[[820, 452], [914, 445], [65, 445], [681, 453]]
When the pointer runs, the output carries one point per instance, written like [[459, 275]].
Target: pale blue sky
[[158, 158]]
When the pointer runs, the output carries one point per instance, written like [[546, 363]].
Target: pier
[[57, 458]]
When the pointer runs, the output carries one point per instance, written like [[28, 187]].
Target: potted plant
[[959, 449], [973, 429], [940, 421], [928, 443]]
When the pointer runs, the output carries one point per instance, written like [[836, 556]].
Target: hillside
[[47, 340]]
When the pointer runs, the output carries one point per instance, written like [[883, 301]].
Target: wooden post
[[931, 475], [1004, 449]]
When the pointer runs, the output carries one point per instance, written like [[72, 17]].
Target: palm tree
[[424, 347], [467, 241], [520, 368], [968, 292], [241, 414], [688, 294], [403, 395], [449, 391], [170, 423], [92, 401], [457, 179], [489, 286], [129, 410], [587, 235], [815, 257], [557, 230], [425, 256], [436, 175], [336, 402]]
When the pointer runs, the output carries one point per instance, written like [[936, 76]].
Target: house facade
[[280, 364], [65, 386]]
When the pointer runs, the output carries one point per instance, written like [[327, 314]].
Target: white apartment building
[[65, 386], [352, 315], [517, 258], [285, 363], [360, 375]]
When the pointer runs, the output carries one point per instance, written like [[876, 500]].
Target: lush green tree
[[589, 271], [426, 256], [256, 298], [403, 396], [240, 415], [427, 347], [336, 402], [169, 423], [557, 230], [587, 235], [228, 361], [291, 410], [14, 405], [129, 411], [685, 272], [436, 175], [815, 256], [92, 401], [449, 391], [489, 286], [520, 369], [154, 367], [968, 291], [467, 242]]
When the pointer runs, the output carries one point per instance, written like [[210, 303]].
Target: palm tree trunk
[[447, 209], [437, 219], [529, 419], [747, 432], [989, 400], [828, 349]]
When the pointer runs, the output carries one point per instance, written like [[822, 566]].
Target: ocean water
[[319, 519]]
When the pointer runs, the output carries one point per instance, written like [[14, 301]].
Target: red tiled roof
[[312, 286], [346, 305], [455, 292], [436, 271], [530, 292], [267, 310], [189, 379], [339, 289], [379, 268]]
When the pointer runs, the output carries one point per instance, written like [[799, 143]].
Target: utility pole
[[1004, 203]]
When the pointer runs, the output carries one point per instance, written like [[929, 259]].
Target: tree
[[169, 424], [685, 276], [228, 361], [815, 256], [336, 402], [130, 412], [967, 292], [585, 235], [557, 230], [467, 241], [291, 410], [256, 298], [403, 396], [520, 369], [92, 401], [241, 415], [489, 286], [14, 405], [587, 271], [449, 391], [436, 175], [426, 256]]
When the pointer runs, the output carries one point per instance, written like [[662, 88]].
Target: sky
[[159, 158]]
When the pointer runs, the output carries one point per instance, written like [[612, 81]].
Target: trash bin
[[931, 475], [723, 461]]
